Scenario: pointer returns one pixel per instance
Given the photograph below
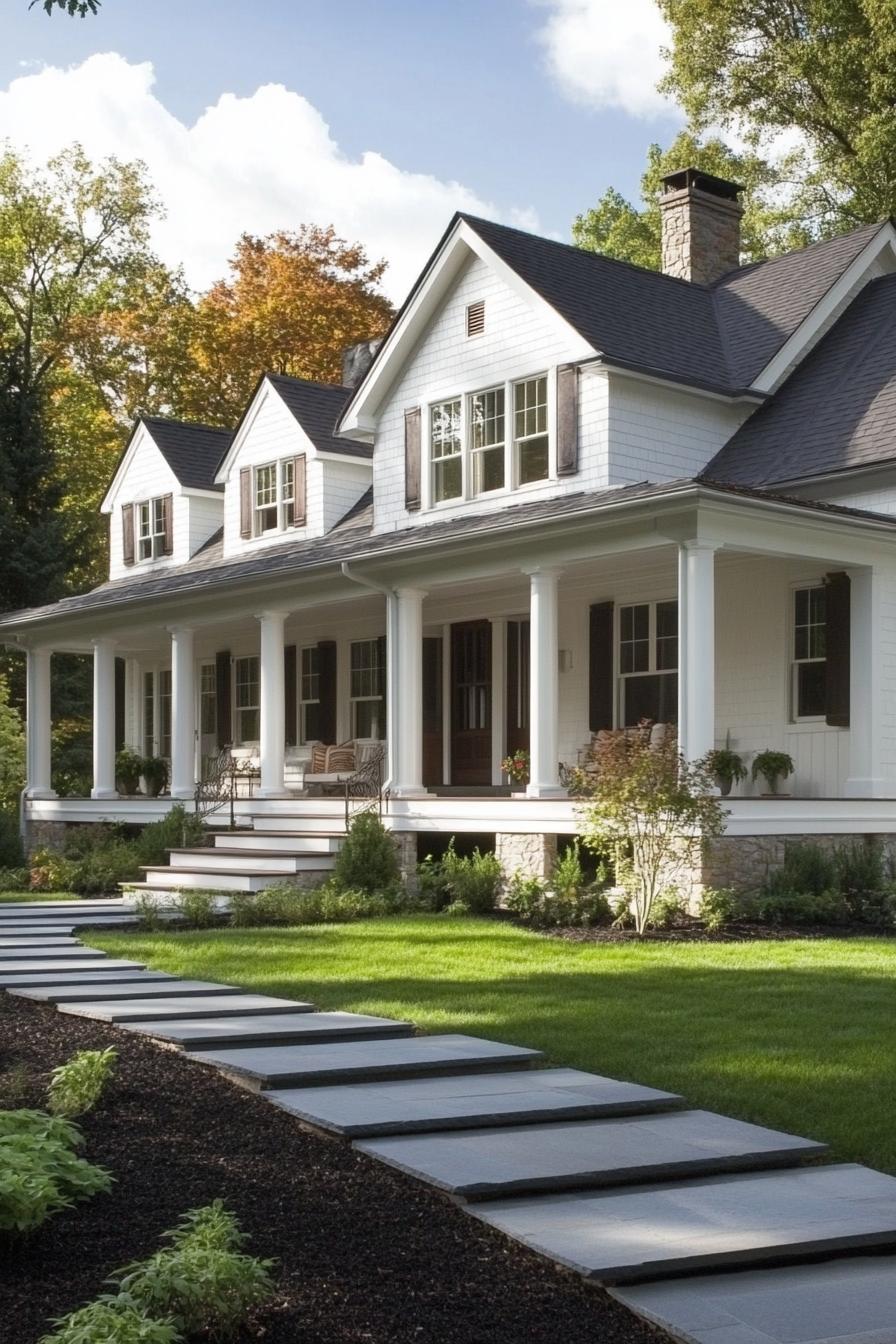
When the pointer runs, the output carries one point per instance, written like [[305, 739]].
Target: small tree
[[650, 808]]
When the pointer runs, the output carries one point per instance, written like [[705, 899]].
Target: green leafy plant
[[288, 905], [40, 1174], [457, 910], [77, 1085], [718, 906], [213, 1226], [155, 774], [11, 853], [772, 766], [196, 908], [473, 878], [367, 860], [148, 913], [128, 769], [669, 910], [727, 767], [112, 1321], [14, 879]]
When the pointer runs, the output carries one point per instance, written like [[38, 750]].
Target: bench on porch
[[342, 767], [577, 777]]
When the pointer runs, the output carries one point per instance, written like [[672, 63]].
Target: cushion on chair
[[318, 762], [341, 758]]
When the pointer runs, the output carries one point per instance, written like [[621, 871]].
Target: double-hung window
[[246, 699], [309, 694], [151, 529], [266, 511], [648, 662], [367, 688], [447, 450], [487, 440], [809, 663], [530, 430]]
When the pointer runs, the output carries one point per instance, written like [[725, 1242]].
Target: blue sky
[[528, 119]]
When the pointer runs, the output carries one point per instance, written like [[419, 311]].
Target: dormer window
[[151, 529], [277, 499]]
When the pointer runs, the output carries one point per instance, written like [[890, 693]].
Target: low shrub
[[537, 903], [49, 871], [112, 1321], [367, 860], [668, 911], [103, 869], [14, 879], [718, 907], [148, 913], [783, 906], [196, 908], [457, 910], [328, 904], [178, 829], [40, 1174], [11, 852], [214, 1227], [475, 879], [814, 885], [76, 1086]]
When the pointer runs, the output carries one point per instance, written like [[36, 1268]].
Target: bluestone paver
[[272, 1028], [59, 966], [565, 1155], [366, 1110], [49, 940], [48, 952], [848, 1301], [259, 1067], [169, 987], [133, 978], [720, 1222], [174, 1009]]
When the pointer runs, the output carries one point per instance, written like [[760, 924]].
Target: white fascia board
[[360, 416], [204, 494], [138, 438], [802, 340], [606, 366], [244, 428]]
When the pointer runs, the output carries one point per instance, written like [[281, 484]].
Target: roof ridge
[[147, 416], [307, 382], [794, 252]]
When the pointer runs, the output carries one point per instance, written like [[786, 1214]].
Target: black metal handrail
[[220, 786]]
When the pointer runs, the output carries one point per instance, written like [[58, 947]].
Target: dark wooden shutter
[[326, 664], [837, 641], [127, 533], [567, 420], [300, 489], [600, 667], [412, 421], [245, 502], [168, 523], [291, 694], [223, 703], [119, 703]]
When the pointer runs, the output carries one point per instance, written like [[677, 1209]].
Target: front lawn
[[794, 1034]]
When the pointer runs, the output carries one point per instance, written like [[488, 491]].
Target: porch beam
[[38, 725], [183, 712], [272, 704], [405, 726], [696, 648], [544, 685], [104, 719]]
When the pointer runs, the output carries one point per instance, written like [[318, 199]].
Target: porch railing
[[364, 790], [221, 785]]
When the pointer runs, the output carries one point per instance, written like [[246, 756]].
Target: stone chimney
[[701, 226], [356, 360]]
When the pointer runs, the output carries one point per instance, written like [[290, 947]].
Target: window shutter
[[245, 502], [127, 533], [168, 522], [300, 490], [412, 458], [837, 641], [567, 420], [120, 703], [223, 704], [600, 669], [291, 692], [326, 663]]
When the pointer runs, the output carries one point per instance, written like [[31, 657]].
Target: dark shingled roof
[[317, 407], [193, 452], [719, 337], [837, 410]]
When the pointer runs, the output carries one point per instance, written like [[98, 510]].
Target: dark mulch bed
[[365, 1255], [692, 931]]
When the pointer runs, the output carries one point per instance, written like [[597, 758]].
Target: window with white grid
[[487, 440], [446, 449], [530, 430]]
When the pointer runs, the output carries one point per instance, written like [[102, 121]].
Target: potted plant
[[772, 766], [128, 769], [516, 767], [727, 767], [155, 774]]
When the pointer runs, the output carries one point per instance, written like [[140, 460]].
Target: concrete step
[[51, 977], [63, 924], [280, 842], [719, 1223], [418, 1105], [58, 967], [249, 861], [169, 987], [172, 1008], [273, 1029], [31, 947], [206, 879], [303, 823], [848, 1302], [306, 1065], [588, 1154], [36, 910]]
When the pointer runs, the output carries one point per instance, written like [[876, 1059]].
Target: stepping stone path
[[705, 1226]]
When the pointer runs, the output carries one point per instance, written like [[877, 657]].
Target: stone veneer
[[529, 855], [700, 235]]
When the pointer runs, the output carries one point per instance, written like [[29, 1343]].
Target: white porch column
[[406, 666], [272, 692], [696, 649], [103, 719], [499, 695], [183, 713], [544, 779], [866, 773], [38, 725]]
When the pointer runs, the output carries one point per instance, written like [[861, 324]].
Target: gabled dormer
[[163, 502], [286, 476]]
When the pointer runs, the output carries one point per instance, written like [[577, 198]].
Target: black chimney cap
[[693, 177]]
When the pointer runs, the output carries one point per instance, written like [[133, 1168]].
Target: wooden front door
[[517, 686], [432, 711], [471, 703]]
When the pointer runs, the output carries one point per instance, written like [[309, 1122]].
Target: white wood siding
[[205, 516], [148, 475], [657, 434]]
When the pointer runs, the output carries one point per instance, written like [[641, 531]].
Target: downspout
[[391, 647]]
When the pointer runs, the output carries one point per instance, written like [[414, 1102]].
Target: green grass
[[798, 1034], [7, 896]]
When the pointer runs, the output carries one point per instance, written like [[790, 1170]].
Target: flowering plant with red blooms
[[516, 766]]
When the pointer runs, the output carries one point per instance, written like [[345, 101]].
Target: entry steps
[[249, 860]]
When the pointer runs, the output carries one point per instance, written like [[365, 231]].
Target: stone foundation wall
[[529, 855], [405, 843], [45, 835], [742, 862]]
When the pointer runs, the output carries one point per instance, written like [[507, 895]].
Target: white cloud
[[252, 164], [606, 53]]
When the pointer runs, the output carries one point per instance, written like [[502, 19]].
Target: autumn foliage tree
[[292, 303]]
